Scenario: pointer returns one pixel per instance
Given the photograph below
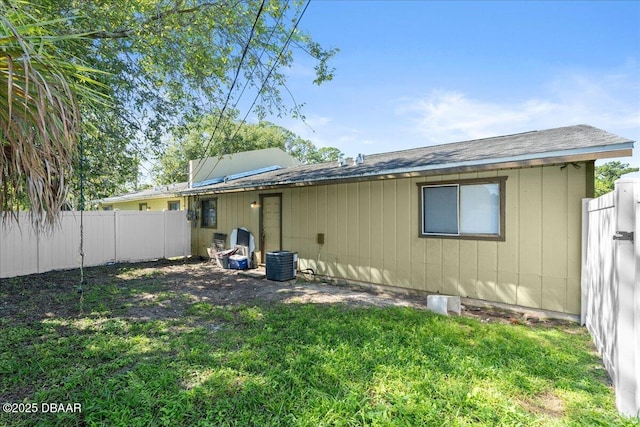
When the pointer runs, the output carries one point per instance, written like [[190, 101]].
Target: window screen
[[209, 213], [466, 208], [440, 209]]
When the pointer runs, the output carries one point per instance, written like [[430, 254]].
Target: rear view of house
[[496, 219]]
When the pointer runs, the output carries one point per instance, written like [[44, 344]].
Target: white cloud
[[323, 131], [307, 129], [611, 102]]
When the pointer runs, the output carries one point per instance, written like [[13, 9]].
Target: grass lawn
[[267, 363]]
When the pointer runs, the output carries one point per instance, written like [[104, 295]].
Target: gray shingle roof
[[567, 144]]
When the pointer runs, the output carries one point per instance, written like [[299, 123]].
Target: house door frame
[[262, 235]]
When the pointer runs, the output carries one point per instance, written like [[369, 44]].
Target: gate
[[610, 288]]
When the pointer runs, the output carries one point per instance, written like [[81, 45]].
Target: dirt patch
[[166, 289], [546, 403]]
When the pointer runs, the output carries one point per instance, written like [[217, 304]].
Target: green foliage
[[166, 63], [110, 163], [608, 173], [284, 364], [230, 137], [41, 89]]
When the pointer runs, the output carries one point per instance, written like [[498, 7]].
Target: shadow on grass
[[220, 361]]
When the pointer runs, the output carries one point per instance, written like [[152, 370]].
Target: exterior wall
[[234, 211], [371, 235], [156, 205]]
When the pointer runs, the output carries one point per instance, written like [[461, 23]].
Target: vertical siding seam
[[518, 237], [336, 208], [395, 235], [370, 257], [542, 237], [517, 228], [394, 225], [541, 224], [357, 232], [565, 304], [566, 254], [325, 228]]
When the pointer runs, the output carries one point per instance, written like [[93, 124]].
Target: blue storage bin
[[238, 262]]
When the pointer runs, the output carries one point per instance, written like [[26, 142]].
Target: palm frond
[[39, 116]]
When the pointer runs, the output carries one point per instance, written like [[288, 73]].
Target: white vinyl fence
[[611, 289], [109, 236]]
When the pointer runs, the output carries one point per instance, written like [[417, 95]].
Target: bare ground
[[165, 289]]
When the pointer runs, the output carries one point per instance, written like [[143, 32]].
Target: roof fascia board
[[528, 160]]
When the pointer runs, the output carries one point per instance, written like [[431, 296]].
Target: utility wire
[[235, 79], [264, 82], [253, 69], [266, 79]]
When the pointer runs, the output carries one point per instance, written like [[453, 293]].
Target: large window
[[209, 214], [472, 209]]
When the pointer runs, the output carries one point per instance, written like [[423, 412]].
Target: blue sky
[[418, 73]]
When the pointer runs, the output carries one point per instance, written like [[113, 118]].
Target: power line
[[251, 73], [266, 79], [272, 69], [264, 49], [235, 79]]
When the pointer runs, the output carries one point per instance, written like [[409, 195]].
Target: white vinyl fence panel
[[18, 249], [138, 237], [109, 236], [611, 288]]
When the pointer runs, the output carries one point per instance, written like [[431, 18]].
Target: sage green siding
[[371, 235]]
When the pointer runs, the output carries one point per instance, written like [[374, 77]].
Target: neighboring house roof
[[559, 145], [212, 170], [157, 192], [236, 176], [232, 164]]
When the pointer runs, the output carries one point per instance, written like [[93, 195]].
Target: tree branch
[[124, 33]]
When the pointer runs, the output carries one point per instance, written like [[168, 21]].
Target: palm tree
[[39, 116]]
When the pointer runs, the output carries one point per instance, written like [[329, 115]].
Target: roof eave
[[564, 156], [134, 198]]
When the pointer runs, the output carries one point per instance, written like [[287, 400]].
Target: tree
[[40, 92], [608, 173], [232, 137], [166, 63]]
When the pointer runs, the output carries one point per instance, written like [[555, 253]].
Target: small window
[[143, 207], [209, 213], [173, 205], [472, 209], [107, 207]]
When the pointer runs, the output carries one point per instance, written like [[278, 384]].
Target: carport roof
[[551, 146], [161, 191]]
